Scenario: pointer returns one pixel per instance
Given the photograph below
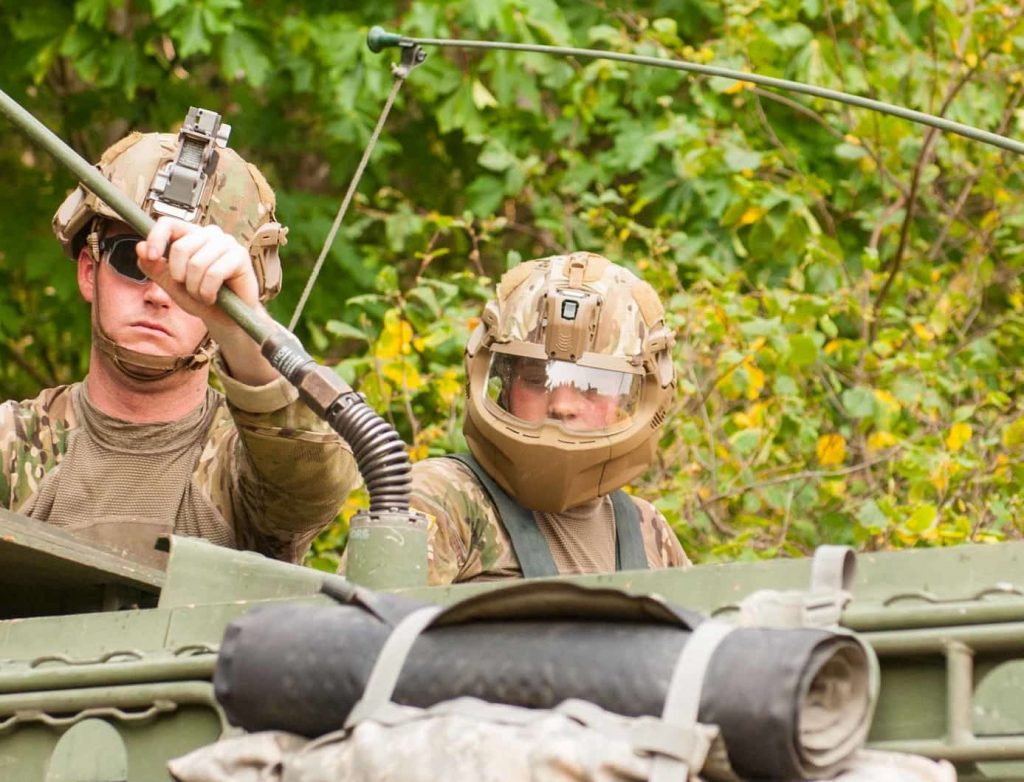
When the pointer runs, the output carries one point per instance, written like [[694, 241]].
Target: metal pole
[[379, 39]]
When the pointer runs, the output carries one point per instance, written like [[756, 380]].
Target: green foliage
[[845, 285]]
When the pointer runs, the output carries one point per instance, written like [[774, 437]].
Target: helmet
[[193, 176], [569, 375]]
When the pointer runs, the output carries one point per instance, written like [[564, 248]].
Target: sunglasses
[[119, 253]]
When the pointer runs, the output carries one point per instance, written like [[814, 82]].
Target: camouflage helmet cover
[[584, 309], [238, 200]]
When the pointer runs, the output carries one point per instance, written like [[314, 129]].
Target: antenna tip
[[379, 39]]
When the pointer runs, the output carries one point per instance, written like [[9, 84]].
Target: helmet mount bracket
[[179, 188]]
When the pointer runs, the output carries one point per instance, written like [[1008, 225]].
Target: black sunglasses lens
[[120, 254]]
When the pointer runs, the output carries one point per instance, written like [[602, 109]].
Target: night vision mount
[[179, 186]]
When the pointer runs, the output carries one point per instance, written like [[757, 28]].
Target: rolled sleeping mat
[[790, 704]]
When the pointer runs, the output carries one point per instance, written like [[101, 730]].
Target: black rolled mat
[[789, 703]]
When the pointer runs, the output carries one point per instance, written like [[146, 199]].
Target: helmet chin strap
[[143, 367]]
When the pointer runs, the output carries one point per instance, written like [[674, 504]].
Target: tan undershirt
[[581, 539], [122, 484]]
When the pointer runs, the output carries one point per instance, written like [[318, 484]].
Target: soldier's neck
[[142, 402]]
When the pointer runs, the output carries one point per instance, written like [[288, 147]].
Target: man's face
[[534, 395], [136, 315]]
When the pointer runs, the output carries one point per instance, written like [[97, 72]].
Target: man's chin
[[151, 342]]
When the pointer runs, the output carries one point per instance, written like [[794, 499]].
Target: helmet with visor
[[569, 375]]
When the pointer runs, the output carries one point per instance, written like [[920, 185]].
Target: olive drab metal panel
[[91, 751], [44, 570]]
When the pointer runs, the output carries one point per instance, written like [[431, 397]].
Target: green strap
[[527, 540], [629, 541]]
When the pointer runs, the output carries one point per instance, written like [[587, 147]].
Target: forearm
[[288, 472], [241, 355], [289, 485]]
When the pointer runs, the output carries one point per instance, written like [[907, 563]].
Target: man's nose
[[155, 295]]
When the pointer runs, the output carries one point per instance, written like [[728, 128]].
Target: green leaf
[[482, 97], [784, 385], [191, 34], [495, 156], [746, 440], [859, 402], [847, 151], [93, 12], [459, 112], [872, 518], [665, 25], [484, 194], [792, 35], [739, 159], [242, 57], [487, 12], [922, 518], [344, 330], [803, 351], [426, 295], [387, 280], [162, 7], [399, 227], [602, 33]]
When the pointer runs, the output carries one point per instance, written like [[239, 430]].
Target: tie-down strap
[[677, 741]]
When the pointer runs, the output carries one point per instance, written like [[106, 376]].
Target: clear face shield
[[577, 398]]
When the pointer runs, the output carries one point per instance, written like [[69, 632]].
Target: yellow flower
[[879, 441], [959, 434], [923, 332], [831, 450], [396, 337], [755, 379], [448, 386], [891, 403], [752, 215], [738, 87], [753, 416]]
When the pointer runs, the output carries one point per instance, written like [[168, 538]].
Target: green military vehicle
[[106, 667]]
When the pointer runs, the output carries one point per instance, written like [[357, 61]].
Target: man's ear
[[86, 274]]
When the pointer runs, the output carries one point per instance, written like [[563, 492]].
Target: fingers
[[211, 267], [165, 231], [191, 262], [200, 259]]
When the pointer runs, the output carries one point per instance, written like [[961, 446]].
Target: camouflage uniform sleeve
[[276, 472], [466, 539], [660, 542], [33, 438]]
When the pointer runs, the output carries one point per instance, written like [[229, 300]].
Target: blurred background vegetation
[[845, 285]]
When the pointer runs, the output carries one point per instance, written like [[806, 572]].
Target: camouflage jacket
[[273, 472], [467, 541]]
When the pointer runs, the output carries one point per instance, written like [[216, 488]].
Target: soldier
[[569, 377], [144, 446]]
